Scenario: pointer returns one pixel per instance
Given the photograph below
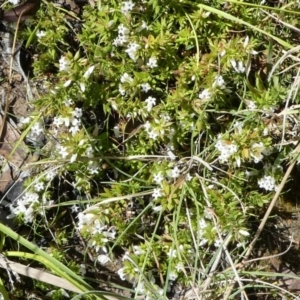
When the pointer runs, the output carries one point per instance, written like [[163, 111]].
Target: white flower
[[156, 193], [157, 208], [68, 102], [14, 2], [251, 105], [117, 132], [256, 151], [217, 243], [205, 94], [126, 78], [73, 158], [145, 87], [267, 183], [226, 148], [82, 86], [174, 173], [152, 135], [152, 63], [77, 112], [64, 64], [103, 259], [122, 30], [93, 167], [74, 129], [88, 72], [244, 232], [144, 25], [132, 49], [172, 253], [67, 83], [171, 155], [122, 91], [172, 276], [120, 40], [238, 67], [62, 151], [37, 129], [158, 178], [147, 126], [39, 186], [41, 34], [82, 270], [75, 208], [150, 101], [121, 273], [137, 250], [219, 82], [127, 6], [189, 177]]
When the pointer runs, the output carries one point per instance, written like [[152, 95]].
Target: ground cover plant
[[164, 129]]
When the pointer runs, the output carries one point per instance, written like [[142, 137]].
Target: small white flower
[[39, 186], [73, 158], [145, 87], [152, 135], [88, 72], [152, 63], [157, 208], [82, 270], [67, 83], [77, 112], [246, 42], [82, 86], [150, 101], [14, 2], [158, 178], [126, 78], [219, 82], [251, 105], [122, 91], [127, 6], [156, 193], [41, 33], [147, 126], [122, 30], [222, 53], [117, 132], [68, 102], [171, 155], [132, 49], [172, 253], [144, 25], [189, 177], [174, 173], [64, 64], [238, 67], [121, 273], [93, 167], [137, 250], [205, 94], [244, 232], [74, 129], [267, 183], [103, 259], [62, 151], [75, 208]]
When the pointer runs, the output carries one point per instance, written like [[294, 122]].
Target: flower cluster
[[71, 122], [27, 206], [226, 148], [268, 183], [99, 233]]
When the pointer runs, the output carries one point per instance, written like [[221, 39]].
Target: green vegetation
[[167, 127]]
